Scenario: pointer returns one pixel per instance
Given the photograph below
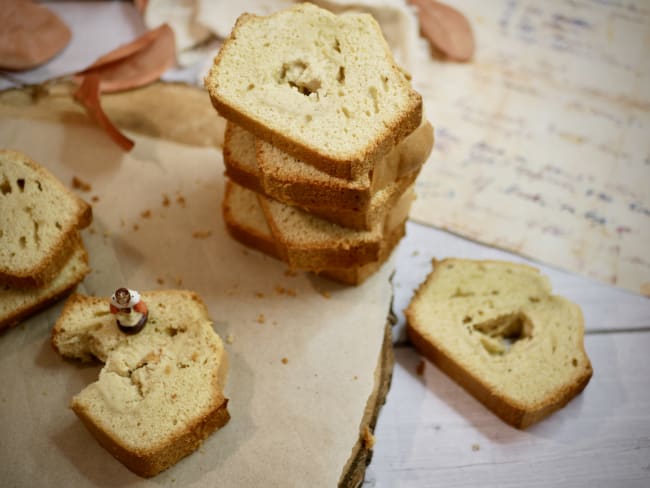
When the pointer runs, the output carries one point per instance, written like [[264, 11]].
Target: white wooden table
[[431, 432]]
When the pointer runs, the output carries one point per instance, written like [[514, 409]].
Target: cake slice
[[495, 328], [16, 304], [323, 88], [317, 197], [247, 224], [38, 222], [309, 242], [160, 392]]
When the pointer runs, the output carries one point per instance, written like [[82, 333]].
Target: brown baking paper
[[303, 351]]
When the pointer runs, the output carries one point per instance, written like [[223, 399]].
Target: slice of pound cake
[[323, 88], [495, 328], [160, 392], [39, 220]]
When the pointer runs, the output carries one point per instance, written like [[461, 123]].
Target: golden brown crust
[[517, 415], [55, 294], [151, 462], [264, 242]]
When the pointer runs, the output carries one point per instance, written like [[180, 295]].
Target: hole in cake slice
[[500, 334]]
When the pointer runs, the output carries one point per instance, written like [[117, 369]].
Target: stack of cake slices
[[325, 138], [42, 256]]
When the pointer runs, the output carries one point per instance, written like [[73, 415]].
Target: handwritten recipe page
[[543, 141]]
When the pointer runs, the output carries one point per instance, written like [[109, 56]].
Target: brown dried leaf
[[30, 34], [88, 95], [447, 29], [135, 64]]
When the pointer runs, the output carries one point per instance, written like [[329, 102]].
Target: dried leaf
[[447, 29], [88, 95], [141, 5], [135, 64], [30, 34]]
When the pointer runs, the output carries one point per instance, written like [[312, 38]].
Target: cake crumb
[[476, 447], [230, 338], [415, 253], [290, 273], [145, 214], [136, 227], [92, 231], [325, 294], [107, 234], [367, 438], [179, 281], [78, 184], [201, 234], [261, 319], [180, 200], [281, 290], [285, 360], [419, 369], [165, 201], [355, 377], [160, 281], [259, 294], [94, 198]]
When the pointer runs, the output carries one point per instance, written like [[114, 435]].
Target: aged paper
[[303, 351], [543, 141]]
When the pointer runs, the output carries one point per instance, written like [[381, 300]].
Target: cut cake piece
[[243, 168], [309, 242], [291, 181], [247, 224], [16, 304], [495, 328], [38, 222], [323, 88], [160, 392]]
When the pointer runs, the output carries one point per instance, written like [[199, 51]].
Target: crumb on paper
[[94, 199], [367, 438], [145, 214], [160, 281], [136, 227], [476, 447], [78, 184], [244, 252], [179, 281], [259, 294], [290, 272], [419, 369], [165, 200], [285, 360], [107, 234], [281, 290], [230, 338], [261, 319], [201, 234], [180, 200], [355, 377], [92, 231], [415, 253], [325, 294]]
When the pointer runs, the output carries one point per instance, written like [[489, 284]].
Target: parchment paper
[[303, 351], [542, 143]]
